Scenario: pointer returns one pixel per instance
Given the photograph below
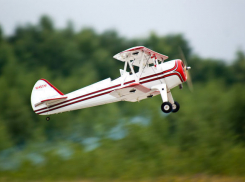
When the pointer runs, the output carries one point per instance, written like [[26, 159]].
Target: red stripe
[[52, 86], [78, 97], [129, 82], [160, 73], [75, 102], [111, 87], [99, 91], [171, 74], [108, 92]]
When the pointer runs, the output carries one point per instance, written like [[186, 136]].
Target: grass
[[195, 178]]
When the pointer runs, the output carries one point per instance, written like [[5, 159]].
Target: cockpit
[[137, 59]]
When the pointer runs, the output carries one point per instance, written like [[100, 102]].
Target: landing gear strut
[[47, 118], [168, 105]]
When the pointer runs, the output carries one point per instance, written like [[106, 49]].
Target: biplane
[[145, 75]]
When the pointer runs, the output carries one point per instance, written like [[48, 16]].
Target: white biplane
[[153, 77]]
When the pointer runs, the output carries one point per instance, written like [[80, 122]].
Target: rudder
[[42, 90]]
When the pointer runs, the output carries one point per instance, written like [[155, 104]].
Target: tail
[[44, 92]]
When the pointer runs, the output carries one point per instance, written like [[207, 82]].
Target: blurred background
[[71, 44]]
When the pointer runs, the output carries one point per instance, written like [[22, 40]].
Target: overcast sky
[[214, 28]]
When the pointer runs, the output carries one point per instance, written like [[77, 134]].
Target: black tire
[[176, 108], [47, 118], [166, 107]]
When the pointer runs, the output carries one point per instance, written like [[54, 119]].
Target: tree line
[[132, 140]]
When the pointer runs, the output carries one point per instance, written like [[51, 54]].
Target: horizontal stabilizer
[[51, 101]]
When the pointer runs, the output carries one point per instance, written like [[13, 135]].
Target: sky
[[214, 28]]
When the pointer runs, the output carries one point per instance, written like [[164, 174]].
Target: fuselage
[[172, 73]]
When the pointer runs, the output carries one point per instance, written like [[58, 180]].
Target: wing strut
[[141, 68]]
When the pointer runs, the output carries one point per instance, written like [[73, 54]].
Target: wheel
[[166, 107], [175, 107], [47, 118]]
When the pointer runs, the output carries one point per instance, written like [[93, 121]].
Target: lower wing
[[134, 92]]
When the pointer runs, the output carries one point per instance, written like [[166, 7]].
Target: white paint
[[152, 81]]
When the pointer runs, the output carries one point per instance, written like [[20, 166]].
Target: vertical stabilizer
[[42, 91]]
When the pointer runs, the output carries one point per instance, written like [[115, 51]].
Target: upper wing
[[51, 101], [135, 54], [133, 92]]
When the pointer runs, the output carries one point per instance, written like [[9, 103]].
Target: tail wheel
[[47, 118], [166, 107], [175, 106]]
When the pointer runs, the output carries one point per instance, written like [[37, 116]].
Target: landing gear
[[166, 107], [175, 106], [47, 118]]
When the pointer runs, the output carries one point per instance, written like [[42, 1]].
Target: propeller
[[186, 69]]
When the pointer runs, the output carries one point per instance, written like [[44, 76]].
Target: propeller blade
[[189, 81], [186, 69], [182, 56]]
